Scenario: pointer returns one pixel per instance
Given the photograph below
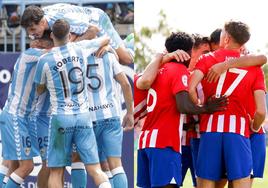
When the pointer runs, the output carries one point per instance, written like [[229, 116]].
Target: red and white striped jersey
[[163, 124], [237, 84], [140, 106]]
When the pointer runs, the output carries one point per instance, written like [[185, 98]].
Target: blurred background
[[155, 20]]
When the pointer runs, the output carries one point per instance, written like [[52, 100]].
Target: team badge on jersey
[[27, 151], [184, 80]]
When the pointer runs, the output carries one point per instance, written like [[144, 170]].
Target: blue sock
[[119, 178], [14, 181], [110, 176], [78, 175]]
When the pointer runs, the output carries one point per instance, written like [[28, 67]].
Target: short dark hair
[[60, 29], [179, 40], [31, 14], [239, 31], [199, 40], [215, 36]]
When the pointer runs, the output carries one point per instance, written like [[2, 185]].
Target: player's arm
[[195, 79], [186, 106], [90, 33], [146, 80], [125, 57], [106, 49], [128, 120], [244, 61], [40, 77], [259, 116]]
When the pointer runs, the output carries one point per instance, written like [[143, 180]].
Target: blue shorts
[[109, 137], [221, 153], [42, 124], [258, 149], [195, 147], [18, 137], [158, 167], [66, 130], [187, 163]]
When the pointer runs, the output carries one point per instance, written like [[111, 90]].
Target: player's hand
[[216, 104], [102, 51], [128, 122], [179, 55], [73, 37], [215, 71], [92, 31]]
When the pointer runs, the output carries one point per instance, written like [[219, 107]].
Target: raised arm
[[146, 80], [244, 61], [150, 72], [90, 33]]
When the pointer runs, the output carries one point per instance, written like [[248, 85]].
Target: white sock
[[16, 178], [109, 174], [5, 180], [3, 169], [105, 185], [118, 170], [78, 165]]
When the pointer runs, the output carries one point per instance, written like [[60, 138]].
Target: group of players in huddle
[[64, 100], [203, 101]]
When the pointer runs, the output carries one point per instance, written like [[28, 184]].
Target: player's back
[[102, 86], [65, 69], [237, 84], [22, 90], [77, 16], [163, 125]]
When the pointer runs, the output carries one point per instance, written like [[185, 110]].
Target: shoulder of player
[[175, 67], [46, 57]]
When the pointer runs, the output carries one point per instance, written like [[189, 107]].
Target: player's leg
[[55, 177], [3, 170], [194, 148], [110, 142], [43, 175], [18, 144], [59, 147], [164, 167], [85, 141], [78, 173], [13, 165], [105, 168], [238, 159], [221, 183], [42, 125], [209, 161], [258, 148], [192, 169], [184, 162]]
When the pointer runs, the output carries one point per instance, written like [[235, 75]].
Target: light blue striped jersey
[[102, 86], [80, 18], [63, 71], [43, 106], [22, 90]]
